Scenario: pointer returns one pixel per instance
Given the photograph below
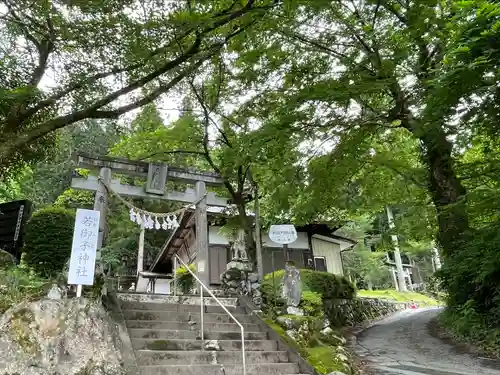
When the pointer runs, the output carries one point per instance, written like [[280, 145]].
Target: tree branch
[[165, 68]]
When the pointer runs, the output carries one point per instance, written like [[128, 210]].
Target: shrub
[[311, 303], [327, 285], [185, 281], [49, 235], [71, 198]]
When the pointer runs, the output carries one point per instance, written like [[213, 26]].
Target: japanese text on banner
[[84, 248]]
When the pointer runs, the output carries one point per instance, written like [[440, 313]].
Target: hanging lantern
[[157, 224]]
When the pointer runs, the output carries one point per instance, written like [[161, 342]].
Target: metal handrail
[[203, 286]]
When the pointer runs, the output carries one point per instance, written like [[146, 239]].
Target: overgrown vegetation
[[18, 284], [185, 280], [322, 349], [468, 326], [392, 295]]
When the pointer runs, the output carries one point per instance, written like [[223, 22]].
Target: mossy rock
[[21, 333], [234, 274]]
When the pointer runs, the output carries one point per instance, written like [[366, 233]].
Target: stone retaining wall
[[357, 311]]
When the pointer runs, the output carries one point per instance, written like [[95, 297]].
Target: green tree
[[209, 137], [84, 60], [356, 73], [45, 180]]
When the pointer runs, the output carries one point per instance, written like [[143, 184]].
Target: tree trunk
[[246, 225], [447, 192]]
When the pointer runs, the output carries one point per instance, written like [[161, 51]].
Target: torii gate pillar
[[202, 234], [101, 205]]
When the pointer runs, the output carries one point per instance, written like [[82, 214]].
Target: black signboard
[[13, 217]]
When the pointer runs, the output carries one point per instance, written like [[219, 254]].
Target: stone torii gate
[[156, 178]]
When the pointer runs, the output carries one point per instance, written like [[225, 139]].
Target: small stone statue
[[238, 247], [132, 288], [292, 286], [54, 293]]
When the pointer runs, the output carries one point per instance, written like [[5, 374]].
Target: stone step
[[126, 305], [193, 335], [184, 317], [225, 345], [252, 369], [156, 357], [184, 326], [183, 300]]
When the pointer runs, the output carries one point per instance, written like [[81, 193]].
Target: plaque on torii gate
[[156, 176]]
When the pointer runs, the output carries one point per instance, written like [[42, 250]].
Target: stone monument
[[292, 289]]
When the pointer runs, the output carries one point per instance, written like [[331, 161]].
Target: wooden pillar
[[202, 256], [101, 205]]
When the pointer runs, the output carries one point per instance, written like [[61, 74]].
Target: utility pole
[[397, 254]]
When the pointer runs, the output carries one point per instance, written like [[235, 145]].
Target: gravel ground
[[403, 345]]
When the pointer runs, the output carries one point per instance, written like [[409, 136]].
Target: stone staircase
[[165, 336]]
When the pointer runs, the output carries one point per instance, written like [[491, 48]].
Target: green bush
[[311, 303], [327, 285], [71, 198], [185, 281], [47, 244], [466, 325]]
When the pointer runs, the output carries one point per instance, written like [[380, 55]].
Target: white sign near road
[[83, 251], [283, 234]]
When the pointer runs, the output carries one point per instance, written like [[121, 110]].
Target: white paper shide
[[84, 249]]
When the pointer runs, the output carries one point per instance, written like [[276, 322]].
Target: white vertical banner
[[84, 248]]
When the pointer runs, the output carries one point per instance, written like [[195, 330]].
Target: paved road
[[402, 345]]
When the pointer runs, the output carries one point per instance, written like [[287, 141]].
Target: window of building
[[320, 264]]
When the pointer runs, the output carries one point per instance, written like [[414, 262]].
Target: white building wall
[[331, 252], [215, 237]]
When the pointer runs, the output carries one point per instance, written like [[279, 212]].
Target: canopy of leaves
[[63, 62]]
